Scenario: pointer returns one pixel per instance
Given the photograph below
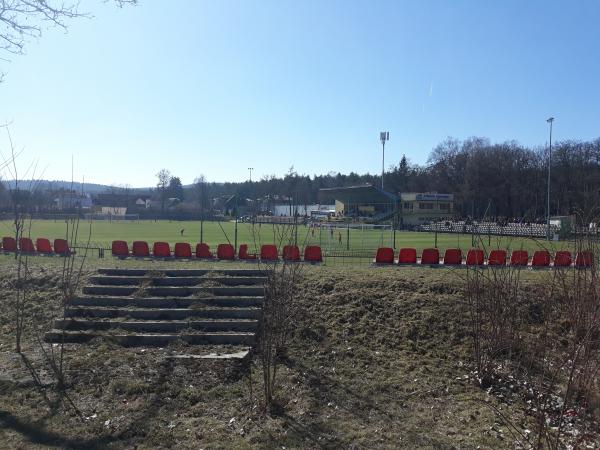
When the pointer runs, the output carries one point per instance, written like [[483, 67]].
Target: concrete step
[[170, 291], [160, 326], [184, 272], [164, 313], [142, 307], [151, 339], [228, 353], [168, 302], [177, 281]]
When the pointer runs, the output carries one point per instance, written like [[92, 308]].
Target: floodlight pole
[[202, 211], [550, 121], [250, 169], [383, 137]]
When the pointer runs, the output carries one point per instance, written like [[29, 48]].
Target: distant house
[[70, 200], [143, 202], [231, 205]]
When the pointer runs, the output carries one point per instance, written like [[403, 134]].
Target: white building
[[143, 202], [114, 210], [301, 210]]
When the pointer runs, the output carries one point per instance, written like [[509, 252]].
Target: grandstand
[[493, 228], [370, 204], [366, 203]]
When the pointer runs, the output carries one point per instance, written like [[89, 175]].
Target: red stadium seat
[[203, 251], [475, 257], [161, 250], [291, 253], [183, 250], [9, 244], [497, 258], [43, 246], [562, 258], [312, 254], [407, 256], [453, 257], [225, 251], [243, 253], [519, 258], [61, 247], [268, 252], [430, 256], [541, 258], [584, 259], [384, 255], [140, 249], [120, 249], [26, 245]]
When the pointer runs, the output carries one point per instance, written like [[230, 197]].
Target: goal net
[[113, 217], [355, 237]]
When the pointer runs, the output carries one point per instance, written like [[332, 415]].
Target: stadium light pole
[[384, 136], [250, 169], [202, 211], [550, 121]]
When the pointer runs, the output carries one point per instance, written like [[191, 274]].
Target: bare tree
[[23, 20], [164, 177], [492, 297], [570, 368], [279, 312], [201, 192], [19, 199], [21, 285], [127, 190], [72, 270], [280, 307], [543, 337]]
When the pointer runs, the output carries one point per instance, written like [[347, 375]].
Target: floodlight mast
[[550, 121], [384, 136], [250, 169]]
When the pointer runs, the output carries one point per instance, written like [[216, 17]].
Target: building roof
[[366, 193]]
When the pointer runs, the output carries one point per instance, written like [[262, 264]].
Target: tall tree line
[[501, 180], [510, 180]]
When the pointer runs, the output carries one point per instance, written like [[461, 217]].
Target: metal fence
[[342, 243]]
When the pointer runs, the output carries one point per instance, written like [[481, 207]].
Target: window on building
[[445, 206], [407, 205], [425, 205]]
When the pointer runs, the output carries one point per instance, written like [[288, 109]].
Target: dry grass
[[380, 358]]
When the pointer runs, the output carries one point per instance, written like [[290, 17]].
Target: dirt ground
[[379, 358]]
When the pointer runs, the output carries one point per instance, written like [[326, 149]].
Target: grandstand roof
[[366, 193]]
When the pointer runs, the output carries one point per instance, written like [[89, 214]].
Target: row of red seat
[[268, 252], [476, 257], [42, 245]]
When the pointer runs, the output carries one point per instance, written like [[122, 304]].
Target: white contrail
[[431, 89]]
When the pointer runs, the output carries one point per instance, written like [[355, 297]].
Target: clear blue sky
[[213, 88]]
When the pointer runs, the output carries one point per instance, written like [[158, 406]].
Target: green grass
[[103, 233]]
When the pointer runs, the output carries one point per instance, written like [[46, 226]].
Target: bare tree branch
[[23, 20]]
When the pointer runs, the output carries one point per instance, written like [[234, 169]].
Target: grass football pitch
[[214, 233]]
